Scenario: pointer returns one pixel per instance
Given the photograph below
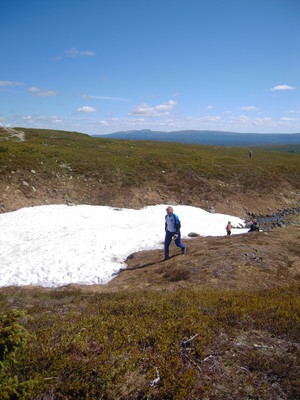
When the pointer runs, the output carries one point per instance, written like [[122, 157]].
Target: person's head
[[229, 222], [254, 219], [169, 210]]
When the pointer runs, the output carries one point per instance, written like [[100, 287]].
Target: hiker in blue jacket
[[172, 228]]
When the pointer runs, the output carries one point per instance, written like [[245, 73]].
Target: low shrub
[[13, 337], [155, 344]]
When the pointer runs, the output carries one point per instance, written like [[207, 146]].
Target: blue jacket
[[177, 224]]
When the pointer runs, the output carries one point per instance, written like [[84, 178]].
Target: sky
[[101, 66], [56, 245]]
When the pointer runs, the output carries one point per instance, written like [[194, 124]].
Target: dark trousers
[[168, 240]]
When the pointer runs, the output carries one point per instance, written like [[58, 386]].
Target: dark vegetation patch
[[196, 343]]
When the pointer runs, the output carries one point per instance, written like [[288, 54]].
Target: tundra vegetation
[[56, 166], [221, 322]]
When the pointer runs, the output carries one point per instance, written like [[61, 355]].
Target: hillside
[[55, 167], [221, 322], [242, 262], [212, 138]]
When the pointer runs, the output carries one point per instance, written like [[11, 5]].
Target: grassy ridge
[[113, 346], [90, 155], [115, 172]]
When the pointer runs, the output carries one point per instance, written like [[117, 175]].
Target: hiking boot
[[166, 258], [184, 251]]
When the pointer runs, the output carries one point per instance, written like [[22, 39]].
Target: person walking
[[228, 228], [172, 228]]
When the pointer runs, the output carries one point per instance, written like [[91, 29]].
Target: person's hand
[[175, 236]]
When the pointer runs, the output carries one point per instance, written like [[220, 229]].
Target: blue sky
[[100, 66]]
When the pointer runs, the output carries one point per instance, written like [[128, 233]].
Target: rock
[[70, 203], [193, 234], [211, 210]]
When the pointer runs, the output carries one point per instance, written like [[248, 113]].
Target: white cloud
[[137, 120], [294, 111], [156, 111], [166, 106], [210, 118], [143, 109], [73, 52], [47, 93], [168, 124], [35, 91], [86, 109], [103, 123], [248, 108], [10, 83], [263, 121], [288, 119], [88, 97], [240, 119], [282, 87], [209, 107]]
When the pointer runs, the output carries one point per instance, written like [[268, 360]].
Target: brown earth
[[250, 261], [16, 195]]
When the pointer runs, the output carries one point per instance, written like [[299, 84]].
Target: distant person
[[172, 228], [254, 227], [228, 228], [250, 153]]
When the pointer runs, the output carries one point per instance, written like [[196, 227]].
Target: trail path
[[19, 134]]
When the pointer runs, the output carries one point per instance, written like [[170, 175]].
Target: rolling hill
[[214, 138], [58, 167]]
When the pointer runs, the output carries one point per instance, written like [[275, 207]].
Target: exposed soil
[[250, 261], [30, 189]]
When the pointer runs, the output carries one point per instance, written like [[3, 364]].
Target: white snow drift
[[57, 245]]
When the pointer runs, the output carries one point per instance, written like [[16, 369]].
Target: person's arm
[[177, 224]]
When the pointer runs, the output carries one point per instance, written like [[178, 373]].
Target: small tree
[[12, 338]]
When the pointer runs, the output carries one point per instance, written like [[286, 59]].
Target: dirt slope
[[250, 261]]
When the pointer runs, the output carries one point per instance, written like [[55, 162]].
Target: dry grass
[[246, 262]]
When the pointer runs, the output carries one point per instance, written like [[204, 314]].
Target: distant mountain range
[[216, 138]]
